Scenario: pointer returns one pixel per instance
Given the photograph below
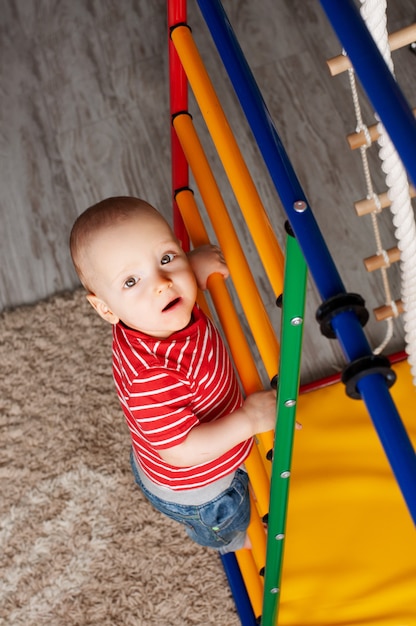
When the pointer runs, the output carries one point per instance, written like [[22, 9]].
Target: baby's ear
[[102, 309]]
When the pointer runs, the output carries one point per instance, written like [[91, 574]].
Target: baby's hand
[[261, 406], [207, 260], [261, 409]]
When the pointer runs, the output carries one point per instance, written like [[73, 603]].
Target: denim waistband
[[197, 496]]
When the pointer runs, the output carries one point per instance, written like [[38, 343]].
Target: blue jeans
[[220, 524]]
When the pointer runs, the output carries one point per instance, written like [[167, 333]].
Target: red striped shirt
[[167, 387]]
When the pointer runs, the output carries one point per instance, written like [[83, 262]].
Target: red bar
[[178, 83], [335, 378]]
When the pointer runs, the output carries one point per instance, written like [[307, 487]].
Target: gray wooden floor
[[84, 115]]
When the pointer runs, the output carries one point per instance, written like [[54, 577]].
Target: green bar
[[289, 374]]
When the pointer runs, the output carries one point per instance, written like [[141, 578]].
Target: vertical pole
[[289, 374]]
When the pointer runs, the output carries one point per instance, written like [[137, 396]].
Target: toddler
[[191, 430]]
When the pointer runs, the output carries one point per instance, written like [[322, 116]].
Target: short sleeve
[[160, 404]]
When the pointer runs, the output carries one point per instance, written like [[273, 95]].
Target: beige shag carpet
[[79, 545]]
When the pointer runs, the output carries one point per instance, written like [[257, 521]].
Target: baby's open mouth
[[171, 304]]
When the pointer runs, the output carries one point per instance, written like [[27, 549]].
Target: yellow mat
[[350, 553]]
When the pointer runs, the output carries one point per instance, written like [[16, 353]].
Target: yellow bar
[[243, 280], [259, 480], [252, 580], [257, 536], [230, 156]]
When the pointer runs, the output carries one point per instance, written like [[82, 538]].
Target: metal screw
[[285, 474], [296, 321], [290, 403], [300, 206], [279, 537], [274, 590]]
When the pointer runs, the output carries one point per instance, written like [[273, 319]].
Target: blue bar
[[238, 589], [346, 326], [375, 76], [304, 225], [392, 434]]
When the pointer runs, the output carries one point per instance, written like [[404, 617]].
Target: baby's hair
[[96, 218]]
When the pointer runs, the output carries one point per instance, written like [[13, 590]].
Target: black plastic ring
[[172, 28], [340, 303], [358, 369], [180, 189]]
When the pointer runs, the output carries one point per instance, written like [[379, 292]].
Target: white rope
[[371, 194], [377, 202], [374, 14]]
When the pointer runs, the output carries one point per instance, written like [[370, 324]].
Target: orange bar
[[243, 280], [257, 466], [230, 322], [252, 562], [252, 580], [230, 155]]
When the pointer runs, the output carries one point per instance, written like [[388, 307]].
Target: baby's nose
[[163, 282]]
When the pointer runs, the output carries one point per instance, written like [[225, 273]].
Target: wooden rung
[[386, 311], [357, 140], [377, 261], [399, 39], [368, 205]]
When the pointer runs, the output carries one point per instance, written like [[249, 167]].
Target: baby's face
[[143, 276]]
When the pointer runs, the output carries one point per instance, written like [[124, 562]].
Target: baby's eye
[[167, 258], [130, 282]]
